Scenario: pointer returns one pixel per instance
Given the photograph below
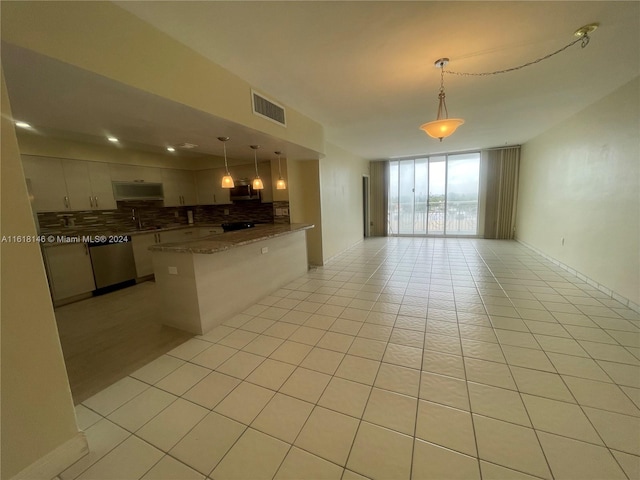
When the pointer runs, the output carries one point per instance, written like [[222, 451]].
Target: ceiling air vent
[[268, 109]]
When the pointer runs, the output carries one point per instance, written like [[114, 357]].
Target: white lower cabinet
[[69, 270], [182, 235], [206, 231], [141, 253], [142, 241]]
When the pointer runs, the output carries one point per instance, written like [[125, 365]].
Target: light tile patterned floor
[[403, 358]]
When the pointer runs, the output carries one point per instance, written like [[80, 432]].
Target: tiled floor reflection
[[403, 358]]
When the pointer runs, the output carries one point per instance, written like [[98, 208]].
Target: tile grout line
[[544, 454]]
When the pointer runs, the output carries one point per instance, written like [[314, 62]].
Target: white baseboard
[[607, 291], [57, 460], [333, 257]]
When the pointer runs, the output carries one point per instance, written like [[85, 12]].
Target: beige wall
[[304, 203], [341, 200], [37, 410], [580, 181], [103, 38]]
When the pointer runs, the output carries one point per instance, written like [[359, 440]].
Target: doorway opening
[[366, 221]]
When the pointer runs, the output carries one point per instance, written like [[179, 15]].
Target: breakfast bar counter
[[221, 242], [204, 282]]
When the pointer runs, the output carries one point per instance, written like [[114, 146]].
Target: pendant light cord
[[442, 104], [584, 39], [255, 159], [224, 147]]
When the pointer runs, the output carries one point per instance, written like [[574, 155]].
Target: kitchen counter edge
[[77, 237], [238, 238]]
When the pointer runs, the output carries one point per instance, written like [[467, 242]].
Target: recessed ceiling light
[[171, 149], [112, 139], [23, 125]]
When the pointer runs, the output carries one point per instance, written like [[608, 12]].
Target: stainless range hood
[[137, 191]]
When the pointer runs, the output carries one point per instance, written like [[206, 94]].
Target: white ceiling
[[365, 70]]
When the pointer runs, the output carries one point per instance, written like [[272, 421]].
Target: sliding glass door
[[463, 180], [436, 195]]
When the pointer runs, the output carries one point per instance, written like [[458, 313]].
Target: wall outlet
[[265, 249], [226, 211], [173, 270]]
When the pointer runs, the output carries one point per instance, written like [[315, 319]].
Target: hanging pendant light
[[227, 180], [442, 127], [280, 184], [257, 182]]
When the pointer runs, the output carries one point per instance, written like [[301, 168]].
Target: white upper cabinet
[[76, 176], [100, 180], [67, 185], [134, 173], [210, 191], [179, 188], [48, 187]]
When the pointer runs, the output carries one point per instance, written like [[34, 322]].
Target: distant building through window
[[434, 195]]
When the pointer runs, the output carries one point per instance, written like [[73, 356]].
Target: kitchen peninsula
[[204, 282]]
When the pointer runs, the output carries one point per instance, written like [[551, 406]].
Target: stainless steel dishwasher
[[113, 263]]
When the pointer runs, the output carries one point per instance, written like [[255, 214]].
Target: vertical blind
[[379, 177], [502, 191]]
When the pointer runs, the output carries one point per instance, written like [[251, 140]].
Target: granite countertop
[[219, 243], [173, 227], [58, 239]]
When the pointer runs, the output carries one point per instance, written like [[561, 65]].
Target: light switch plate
[[173, 270]]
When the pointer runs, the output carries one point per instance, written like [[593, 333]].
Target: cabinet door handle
[[95, 199], [91, 201], [66, 201], [214, 198]]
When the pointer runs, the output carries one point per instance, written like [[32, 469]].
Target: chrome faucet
[[134, 218]]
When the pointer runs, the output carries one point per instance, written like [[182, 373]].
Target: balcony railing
[[459, 218]]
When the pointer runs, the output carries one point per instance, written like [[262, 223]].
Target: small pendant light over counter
[[227, 180], [280, 184], [257, 182]]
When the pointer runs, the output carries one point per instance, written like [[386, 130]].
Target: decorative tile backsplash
[[154, 214]]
